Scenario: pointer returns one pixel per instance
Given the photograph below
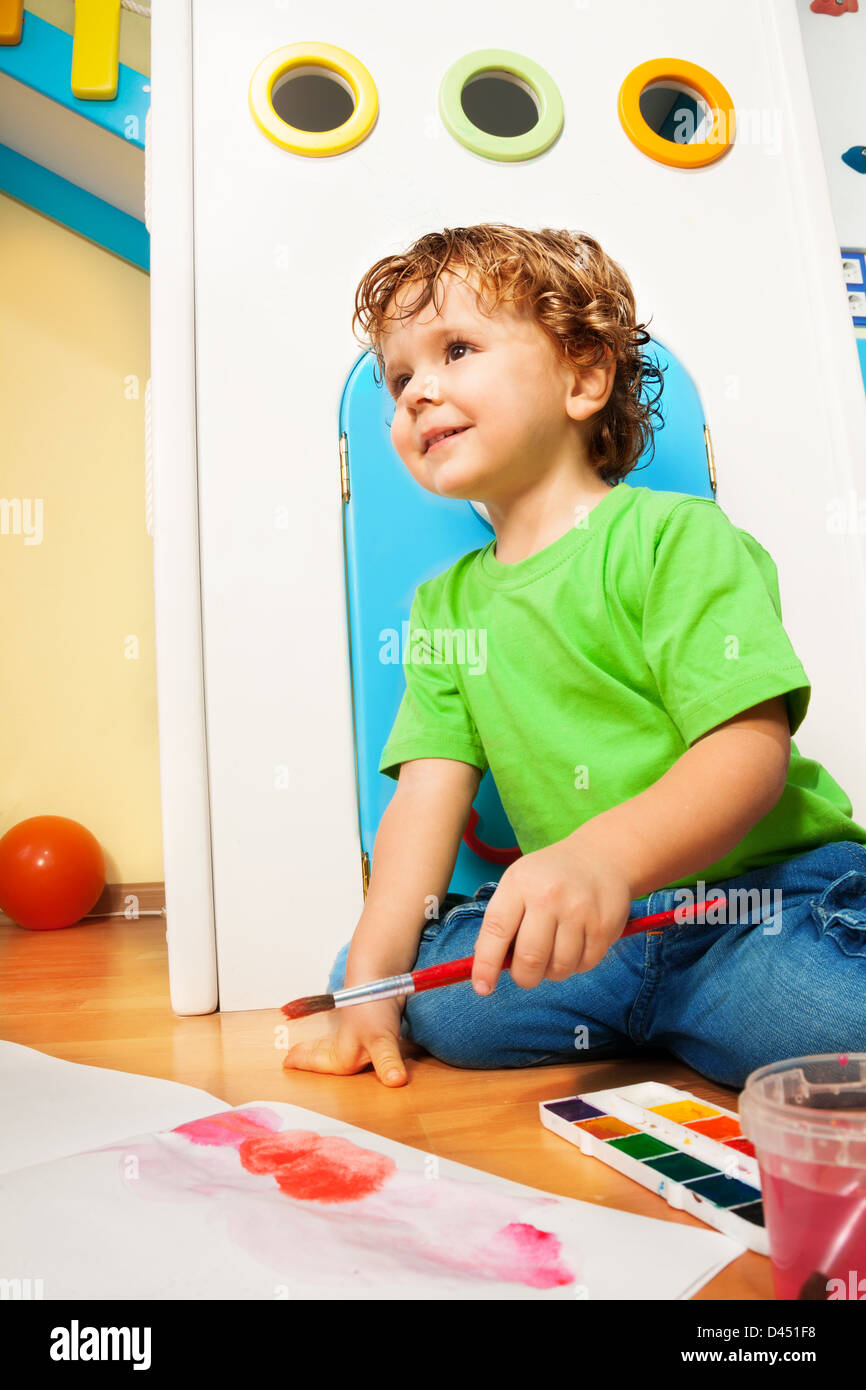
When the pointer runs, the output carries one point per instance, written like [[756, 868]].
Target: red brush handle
[[451, 972], [663, 919]]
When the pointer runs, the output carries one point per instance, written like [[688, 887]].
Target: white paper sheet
[[236, 1209], [50, 1108]]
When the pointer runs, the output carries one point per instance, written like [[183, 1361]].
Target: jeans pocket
[[840, 912], [450, 907]]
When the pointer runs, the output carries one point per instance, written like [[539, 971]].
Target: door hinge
[[711, 462], [344, 467], [365, 871]]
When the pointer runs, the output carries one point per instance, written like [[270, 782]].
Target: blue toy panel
[[43, 62], [74, 207], [397, 535]]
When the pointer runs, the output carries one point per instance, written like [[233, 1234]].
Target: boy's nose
[[424, 388]]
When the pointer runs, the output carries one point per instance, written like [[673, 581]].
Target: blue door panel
[[397, 535]]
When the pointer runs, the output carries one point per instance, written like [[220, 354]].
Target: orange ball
[[52, 872]]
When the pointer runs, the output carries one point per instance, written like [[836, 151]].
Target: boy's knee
[[464, 1029]]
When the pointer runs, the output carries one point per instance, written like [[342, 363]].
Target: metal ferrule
[[388, 988]]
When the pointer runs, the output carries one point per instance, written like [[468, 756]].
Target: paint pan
[[690, 1152]]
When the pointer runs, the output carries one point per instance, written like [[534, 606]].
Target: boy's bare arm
[[703, 806], [414, 856]]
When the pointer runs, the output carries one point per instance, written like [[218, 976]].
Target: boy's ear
[[591, 389]]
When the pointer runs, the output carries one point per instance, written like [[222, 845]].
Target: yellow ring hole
[[303, 59]]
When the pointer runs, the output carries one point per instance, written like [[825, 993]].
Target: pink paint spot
[[315, 1167], [230, 1126], [843, 1060], [526, 1255], [327, 1213]]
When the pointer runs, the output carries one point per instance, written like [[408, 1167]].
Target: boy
[[636, 710]]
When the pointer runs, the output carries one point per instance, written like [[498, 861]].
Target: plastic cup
[[807, 1120]]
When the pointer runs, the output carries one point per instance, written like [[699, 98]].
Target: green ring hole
[[479, 77]]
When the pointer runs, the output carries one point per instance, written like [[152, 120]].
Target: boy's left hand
[[563, 906]]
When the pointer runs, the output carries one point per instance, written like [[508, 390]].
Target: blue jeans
[[784, 977]]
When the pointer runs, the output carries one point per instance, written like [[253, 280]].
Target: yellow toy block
[[95, 43]]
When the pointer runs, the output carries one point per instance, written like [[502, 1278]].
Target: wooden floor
[[98, 994]]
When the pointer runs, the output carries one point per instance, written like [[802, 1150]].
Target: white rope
[[133, 5]]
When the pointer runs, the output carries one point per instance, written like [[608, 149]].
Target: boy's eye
[[455, 343]]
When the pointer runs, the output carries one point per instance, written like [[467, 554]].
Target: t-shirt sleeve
[[433, 720], [712, 624]]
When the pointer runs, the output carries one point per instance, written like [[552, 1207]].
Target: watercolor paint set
[[690, 1152]]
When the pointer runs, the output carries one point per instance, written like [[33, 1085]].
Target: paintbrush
[[451, 972]]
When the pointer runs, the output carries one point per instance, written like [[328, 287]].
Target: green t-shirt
[[582, 673]]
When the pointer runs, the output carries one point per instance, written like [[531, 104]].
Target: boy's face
[[498, 380]]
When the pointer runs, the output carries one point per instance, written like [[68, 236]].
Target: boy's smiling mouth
[[434, 441]]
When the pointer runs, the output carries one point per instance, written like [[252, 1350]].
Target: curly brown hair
[[580, 297]]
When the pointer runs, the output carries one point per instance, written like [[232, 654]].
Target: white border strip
[[844, 402], [186, 829]]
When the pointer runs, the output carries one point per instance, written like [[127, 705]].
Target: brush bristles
[[313, 1004]]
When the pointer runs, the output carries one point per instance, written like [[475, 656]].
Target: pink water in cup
[[807, 1120]]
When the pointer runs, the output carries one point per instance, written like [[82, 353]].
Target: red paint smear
[[230, 1126], [317, 1168], [526, 1255]]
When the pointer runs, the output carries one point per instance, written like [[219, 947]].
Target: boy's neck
[[520, 534]]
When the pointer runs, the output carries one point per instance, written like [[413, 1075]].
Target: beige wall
[[78, 691]]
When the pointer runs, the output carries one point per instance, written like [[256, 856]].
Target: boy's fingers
[[324, 1055], [568, 953], [532, 947], [386, 1058], [317, 1056], [501, 919]]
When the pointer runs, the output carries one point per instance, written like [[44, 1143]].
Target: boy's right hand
[[347, 1040]]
